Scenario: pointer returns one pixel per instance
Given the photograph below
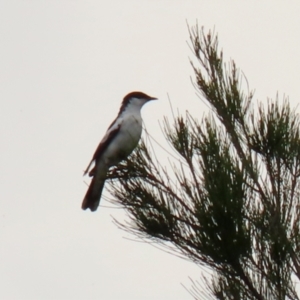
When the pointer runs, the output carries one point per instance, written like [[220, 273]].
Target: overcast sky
[[64, 69]]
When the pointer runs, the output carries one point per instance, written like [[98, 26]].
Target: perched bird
[[119, 141]]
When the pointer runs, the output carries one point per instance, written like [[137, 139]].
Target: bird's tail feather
[[92, 197]]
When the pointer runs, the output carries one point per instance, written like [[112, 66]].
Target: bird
[[120, 140]]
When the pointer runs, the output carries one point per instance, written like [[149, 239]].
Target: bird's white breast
[[126, 139]]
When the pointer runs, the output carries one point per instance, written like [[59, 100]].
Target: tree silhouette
[[230, 200]]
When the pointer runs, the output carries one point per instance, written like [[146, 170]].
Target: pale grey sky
[[65, 66]]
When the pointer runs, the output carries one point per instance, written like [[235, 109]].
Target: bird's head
[[137, 99]]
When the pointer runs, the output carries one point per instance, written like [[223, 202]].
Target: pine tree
[[230, 201]]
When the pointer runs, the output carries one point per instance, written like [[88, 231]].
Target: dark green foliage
[[231, 200]]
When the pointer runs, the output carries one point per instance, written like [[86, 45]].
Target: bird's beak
[[153, 98]]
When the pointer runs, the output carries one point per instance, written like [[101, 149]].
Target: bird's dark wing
[[110, 134]]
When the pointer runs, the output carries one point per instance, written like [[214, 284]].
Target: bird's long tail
[[93, 195]]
